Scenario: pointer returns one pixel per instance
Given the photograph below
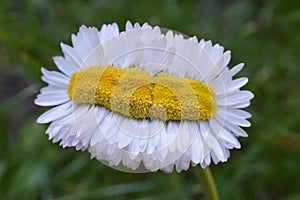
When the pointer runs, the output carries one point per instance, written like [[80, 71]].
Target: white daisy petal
[[108, 31], [230, 73], [64, 66], [231, 86], [55, 113], [128, 26], [51, 100], [236, 112], [87, 45], [53, 131], [222, 134], [54, 78], [226, 59], [71, 56], [53, 89], [235, 98]]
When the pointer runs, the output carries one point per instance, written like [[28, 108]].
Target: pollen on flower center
[[135, 93]]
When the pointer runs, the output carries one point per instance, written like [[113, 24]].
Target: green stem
[[177, 185], [209, 187]]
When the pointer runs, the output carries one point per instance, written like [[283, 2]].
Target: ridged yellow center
[[135, 93]]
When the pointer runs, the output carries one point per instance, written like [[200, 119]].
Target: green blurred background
[[263, 34]]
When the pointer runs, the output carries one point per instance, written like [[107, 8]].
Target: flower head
[[144, 99]]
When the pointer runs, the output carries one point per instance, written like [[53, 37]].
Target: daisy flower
[[145, 100]]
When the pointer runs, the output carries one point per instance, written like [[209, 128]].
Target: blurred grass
[[264, 35]]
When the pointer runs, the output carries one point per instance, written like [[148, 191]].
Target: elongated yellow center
[[135, 93]]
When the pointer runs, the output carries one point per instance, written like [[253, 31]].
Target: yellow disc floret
[[135, 93]]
